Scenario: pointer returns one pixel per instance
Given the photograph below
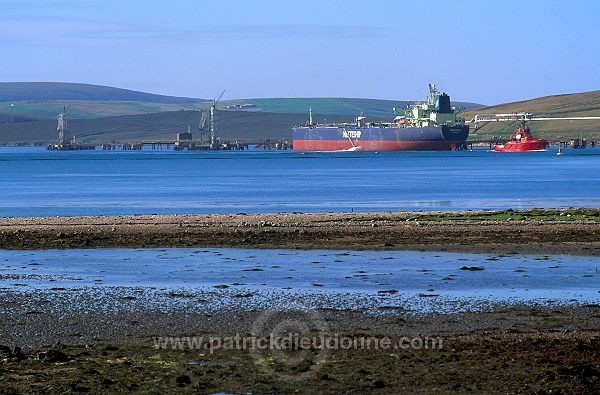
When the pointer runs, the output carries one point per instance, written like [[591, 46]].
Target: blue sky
[[484, 51]]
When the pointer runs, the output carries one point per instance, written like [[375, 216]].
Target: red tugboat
[[522, 141]]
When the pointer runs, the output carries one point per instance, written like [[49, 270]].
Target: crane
[[208, 124], [63, 132]]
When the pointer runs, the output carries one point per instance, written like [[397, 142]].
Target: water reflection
[[387, 274]]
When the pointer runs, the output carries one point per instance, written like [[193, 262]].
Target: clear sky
[[485, 51]]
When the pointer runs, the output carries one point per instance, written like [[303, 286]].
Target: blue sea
[[36, 182], [414, 277]]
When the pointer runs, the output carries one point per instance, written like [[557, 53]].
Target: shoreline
[[380, 230]]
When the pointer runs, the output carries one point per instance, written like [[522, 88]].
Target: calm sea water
[[412, 278], [36, 182]]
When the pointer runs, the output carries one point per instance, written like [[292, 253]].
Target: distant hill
[[39, 100], [97, 114], [53, 91]]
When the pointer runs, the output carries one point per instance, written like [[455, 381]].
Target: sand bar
[[393, 231]]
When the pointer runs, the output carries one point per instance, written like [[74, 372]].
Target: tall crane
[[208, 124], [63, 131]]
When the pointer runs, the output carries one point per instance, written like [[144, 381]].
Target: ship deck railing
[[352, 125]]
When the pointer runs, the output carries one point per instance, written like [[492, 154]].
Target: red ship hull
[[379, 138], [523, 146], [345, 145], [522, 141]]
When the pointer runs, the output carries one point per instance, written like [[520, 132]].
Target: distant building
[[241, 106], [184, 136]]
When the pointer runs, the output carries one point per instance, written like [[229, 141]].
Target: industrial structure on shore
[[207, 127], [65, 142]]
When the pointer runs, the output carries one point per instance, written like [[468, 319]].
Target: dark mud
[[540, 363]]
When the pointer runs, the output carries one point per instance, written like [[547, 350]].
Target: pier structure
[[71, 147], [199, 146], [270, 144], [159, 145], [122, 146]]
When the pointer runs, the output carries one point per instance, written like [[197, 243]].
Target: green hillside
[[87, 109], [43, 100], [340, 106], [585, 104]]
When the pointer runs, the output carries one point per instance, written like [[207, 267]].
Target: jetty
[[176, 145]]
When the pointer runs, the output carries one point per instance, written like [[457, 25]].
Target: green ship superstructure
[[436, 111]]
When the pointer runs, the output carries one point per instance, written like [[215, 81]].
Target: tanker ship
[[430, 126]]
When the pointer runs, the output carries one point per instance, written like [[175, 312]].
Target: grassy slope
[[86, 109], [354, 107], [571, 105], [340, 106]]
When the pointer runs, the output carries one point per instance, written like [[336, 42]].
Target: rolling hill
[[56, 91], [99, 114]]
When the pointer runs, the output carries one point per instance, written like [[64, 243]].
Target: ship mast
[[432, 95]]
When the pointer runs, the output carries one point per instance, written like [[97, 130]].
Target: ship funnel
[[442, 104]]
